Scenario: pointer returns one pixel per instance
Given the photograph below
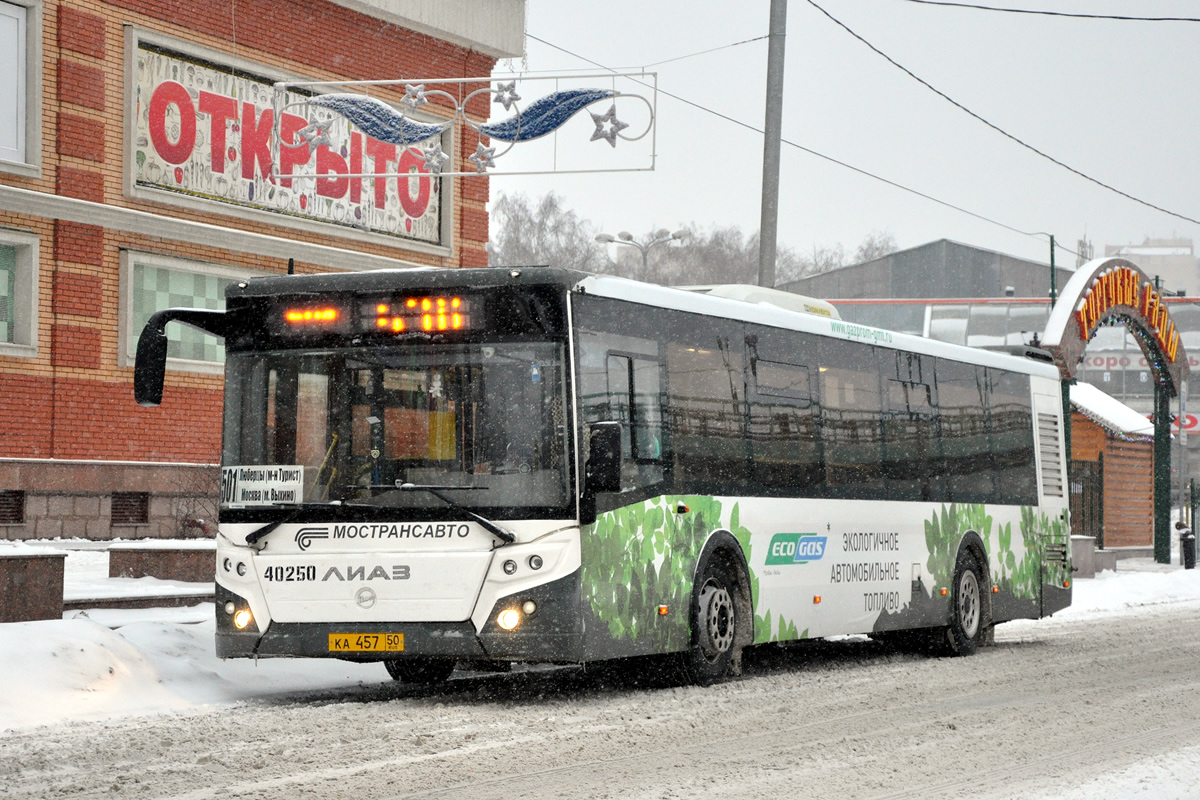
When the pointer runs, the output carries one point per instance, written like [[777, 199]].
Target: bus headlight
[[509, 619], [242, 619]]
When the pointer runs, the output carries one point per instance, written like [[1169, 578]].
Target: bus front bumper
[[554, 632]]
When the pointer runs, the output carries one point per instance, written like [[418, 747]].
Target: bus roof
[[383, 280], [774, 316], [623, 289]]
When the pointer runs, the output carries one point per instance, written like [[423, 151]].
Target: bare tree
[[876, 244], [525, 233]]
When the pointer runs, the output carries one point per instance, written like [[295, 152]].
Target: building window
[[20, 76], [12, 508], [8, 290], [18, 294], [130, 508], [13, 79], [153, 283]]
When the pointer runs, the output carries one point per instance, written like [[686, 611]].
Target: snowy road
[[1054, 704]]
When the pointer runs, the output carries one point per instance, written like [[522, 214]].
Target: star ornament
[[483, 158], [506, 94], [315, 134], [414, 96], [435, 158], [615, 126]]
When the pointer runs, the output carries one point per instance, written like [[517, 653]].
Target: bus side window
[[962, 407], [635, 401], [784, 441], [620, 406], [1010, 426], [851, 417]]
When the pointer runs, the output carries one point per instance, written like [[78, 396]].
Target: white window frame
[[26, 159], [128, 337], [25, 294]]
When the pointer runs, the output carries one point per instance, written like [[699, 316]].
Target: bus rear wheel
[[715, 621], [420, 670], [966, 614]]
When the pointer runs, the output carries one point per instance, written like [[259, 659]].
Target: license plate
[[366, 642]]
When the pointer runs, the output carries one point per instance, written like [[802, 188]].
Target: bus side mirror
[[604, 458], [150, 366]]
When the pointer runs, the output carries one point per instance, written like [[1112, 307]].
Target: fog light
[[509, 618], [510, 567], [535, 562], [529, 607], [242, 619], [230, 608]]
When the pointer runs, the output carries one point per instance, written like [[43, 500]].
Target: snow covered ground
[[108, 664]]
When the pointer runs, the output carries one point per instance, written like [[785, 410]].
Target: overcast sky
[[1117, 100]]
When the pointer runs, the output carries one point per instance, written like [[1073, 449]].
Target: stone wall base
[[73, 499]]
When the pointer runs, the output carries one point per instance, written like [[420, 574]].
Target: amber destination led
[[429, 314], [301, 316]]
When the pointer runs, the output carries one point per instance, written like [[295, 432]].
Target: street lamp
[[661, 236]]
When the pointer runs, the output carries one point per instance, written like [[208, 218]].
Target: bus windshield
[[482, 424]]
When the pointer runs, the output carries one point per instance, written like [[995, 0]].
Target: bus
[[481, 467]]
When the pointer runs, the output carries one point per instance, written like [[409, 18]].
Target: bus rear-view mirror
[[150, 367]]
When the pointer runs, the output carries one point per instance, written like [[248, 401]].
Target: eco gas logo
[[795, 548]]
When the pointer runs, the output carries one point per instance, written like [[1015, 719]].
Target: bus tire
[[420, 670], [715, 638], [965, 633]]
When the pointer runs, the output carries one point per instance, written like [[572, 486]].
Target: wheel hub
[[969, 603], [718, 619]]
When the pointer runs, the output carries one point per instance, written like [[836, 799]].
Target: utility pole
[[768, 229], [1053, 276]]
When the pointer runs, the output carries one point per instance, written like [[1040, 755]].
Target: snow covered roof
[[1110, 413]]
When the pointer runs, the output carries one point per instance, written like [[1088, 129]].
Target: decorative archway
[[1113, 290]]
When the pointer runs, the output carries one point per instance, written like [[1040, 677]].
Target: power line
[[810, 151], [704, 52], [1043, 13], [995, 127]]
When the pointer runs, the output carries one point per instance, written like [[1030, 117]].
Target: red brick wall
[[81, 84], [80, 32], [95, 419], [26, 416], [81, 184], [80, 137], [78, 294], [81, 244]]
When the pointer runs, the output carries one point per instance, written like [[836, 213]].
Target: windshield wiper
[[294, 510], [490, 526]]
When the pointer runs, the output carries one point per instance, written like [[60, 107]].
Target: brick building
[[135, 174]]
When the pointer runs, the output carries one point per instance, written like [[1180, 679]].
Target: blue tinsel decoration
[[545, 115], [377, 119]]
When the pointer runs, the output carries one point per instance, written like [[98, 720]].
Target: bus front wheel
[[420, 670], [966, 614], [715, 621]]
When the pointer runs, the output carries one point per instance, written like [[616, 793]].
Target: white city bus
[[491, 466]]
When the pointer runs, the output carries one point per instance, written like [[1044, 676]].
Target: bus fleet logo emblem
[[795, 548], [304, 536]]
